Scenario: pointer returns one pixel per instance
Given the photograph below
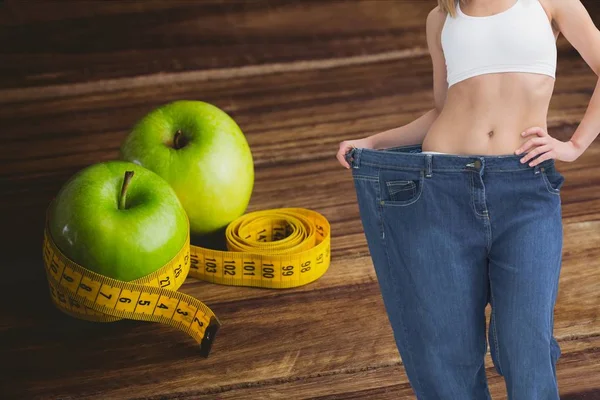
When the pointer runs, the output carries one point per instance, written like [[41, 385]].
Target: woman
[[471, 213]]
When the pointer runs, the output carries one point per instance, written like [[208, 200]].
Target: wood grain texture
[[298, 77]]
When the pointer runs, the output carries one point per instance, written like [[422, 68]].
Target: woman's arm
[[577, 26], [415, 131]]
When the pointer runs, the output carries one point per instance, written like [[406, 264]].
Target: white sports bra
[[519, 39]]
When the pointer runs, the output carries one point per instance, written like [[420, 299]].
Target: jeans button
[[477, 164]]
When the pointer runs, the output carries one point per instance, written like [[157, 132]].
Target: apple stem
[[179, 141], [126, 180], [176, 140]]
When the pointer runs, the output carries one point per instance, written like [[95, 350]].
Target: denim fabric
[[449, 234]]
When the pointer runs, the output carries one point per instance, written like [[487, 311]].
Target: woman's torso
[[485, 114]]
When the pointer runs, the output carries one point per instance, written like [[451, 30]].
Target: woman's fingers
[[341, 155], [342, 160]]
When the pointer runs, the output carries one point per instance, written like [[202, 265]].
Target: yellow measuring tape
[[278, 248]]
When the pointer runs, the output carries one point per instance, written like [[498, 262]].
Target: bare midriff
[[486, 114]]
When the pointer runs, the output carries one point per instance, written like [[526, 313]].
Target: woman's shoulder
[[435, 20], [436, 16], [436, 12]]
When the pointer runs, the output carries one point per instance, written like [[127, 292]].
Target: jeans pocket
[[402, 190], [400, 187], [552, 179]]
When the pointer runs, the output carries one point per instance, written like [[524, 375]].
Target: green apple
[[203, 154], [120, 224]]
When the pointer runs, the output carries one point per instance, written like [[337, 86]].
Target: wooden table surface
[[298, 77]]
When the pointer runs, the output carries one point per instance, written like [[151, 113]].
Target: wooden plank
[[388, 381], [48, 43], [77, 41]]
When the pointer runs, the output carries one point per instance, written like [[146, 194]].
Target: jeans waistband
[[411, 157]]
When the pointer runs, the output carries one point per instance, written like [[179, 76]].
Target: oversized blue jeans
[[449, 234]]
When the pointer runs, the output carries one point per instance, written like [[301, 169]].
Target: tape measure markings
[[280, 248]]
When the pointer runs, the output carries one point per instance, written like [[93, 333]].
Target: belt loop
[[428, 170], [356, 155], [353, 157]]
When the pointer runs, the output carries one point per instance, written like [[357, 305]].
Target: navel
[[491, 133]]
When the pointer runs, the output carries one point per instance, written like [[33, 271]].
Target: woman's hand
[[548, 146], [347, 145]]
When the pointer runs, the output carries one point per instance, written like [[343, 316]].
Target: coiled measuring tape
[[279, 248]]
